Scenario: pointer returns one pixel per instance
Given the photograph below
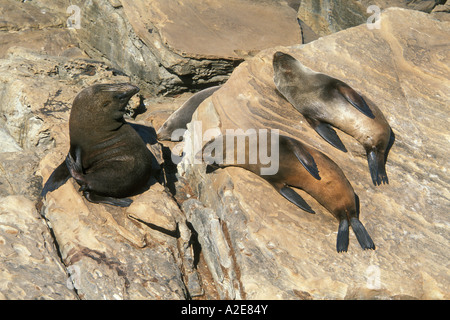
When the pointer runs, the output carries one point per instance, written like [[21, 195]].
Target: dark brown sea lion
[[302, 167], [107, 157], [183, 115], [326, 102]]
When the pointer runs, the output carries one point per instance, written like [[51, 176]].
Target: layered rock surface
[[101, 252], [403, 70], [213, 235], [165, 46], [328, 16]]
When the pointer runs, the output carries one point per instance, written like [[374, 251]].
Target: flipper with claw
[[295, 198], [327, 132], [305, 158], [354, 98]]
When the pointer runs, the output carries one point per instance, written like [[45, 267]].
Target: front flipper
[[56, 179], [74, 165], [354, 99], [294, 197], [303, 155], [95, 198], [327, 132]]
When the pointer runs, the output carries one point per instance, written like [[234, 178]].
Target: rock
[[18, 174], [326, 17], [213, 29], [8, 143], [403, 73], [30, 266], [32, 91], [114, 257], [106, 252], [215, 248], [441, 12], [168, 57], [121, 253], [224, 234], [34, 25], [155, 208], [160, 56]]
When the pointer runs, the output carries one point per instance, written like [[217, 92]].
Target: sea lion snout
[[126, 91], [282, 60], [281, 55]]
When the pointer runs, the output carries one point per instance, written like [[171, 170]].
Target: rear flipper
[[295, 198], [95, 198], [56, 179], [361, 234], [342, 236], [377, 167]]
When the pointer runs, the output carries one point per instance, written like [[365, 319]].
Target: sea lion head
[[165, 132], [103, 104], [106, 99], [284, 66]]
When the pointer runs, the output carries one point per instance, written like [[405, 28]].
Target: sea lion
[[107, 157], [326, 102], [306, 168], [183, 115]]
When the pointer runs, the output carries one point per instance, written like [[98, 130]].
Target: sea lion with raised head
[[305, 168], [183, 115], [107, 157], [326, 102]]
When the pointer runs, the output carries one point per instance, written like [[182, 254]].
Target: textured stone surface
[[164, 46], [226, 234], [200, 42], [35, 25], [328, 16], [30, 267], [101, 253], [402, 68]]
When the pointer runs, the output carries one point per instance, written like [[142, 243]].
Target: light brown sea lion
[[326, 102], [107, 157], [303, 167], [183, 115]]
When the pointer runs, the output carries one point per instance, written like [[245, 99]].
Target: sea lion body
[[107, 157], [326, 102], [308, 169], [183, 115]]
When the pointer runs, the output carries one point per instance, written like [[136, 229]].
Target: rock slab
[[403, 69]]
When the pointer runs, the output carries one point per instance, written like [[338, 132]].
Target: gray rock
[[30, 267], [282, 252], [329, 16]]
